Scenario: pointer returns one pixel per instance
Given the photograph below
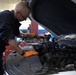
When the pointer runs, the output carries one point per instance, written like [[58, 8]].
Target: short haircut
[[22, 5]]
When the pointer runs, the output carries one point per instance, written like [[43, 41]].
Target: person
[[9, 28]]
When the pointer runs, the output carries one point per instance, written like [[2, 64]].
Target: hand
[[30, 53]]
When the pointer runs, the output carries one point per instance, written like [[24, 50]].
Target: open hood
[[57, 16]]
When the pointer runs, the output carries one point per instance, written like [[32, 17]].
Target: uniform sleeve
[[6, 32]]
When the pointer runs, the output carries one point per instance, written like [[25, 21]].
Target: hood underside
[[58, 16]]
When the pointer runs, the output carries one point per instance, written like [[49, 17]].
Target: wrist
[[23, 53]]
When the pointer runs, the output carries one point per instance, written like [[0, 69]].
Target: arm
[[15, 45]]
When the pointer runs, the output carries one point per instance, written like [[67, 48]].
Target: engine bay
[[58, 55]]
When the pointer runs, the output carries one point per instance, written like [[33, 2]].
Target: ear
[[16, 14]]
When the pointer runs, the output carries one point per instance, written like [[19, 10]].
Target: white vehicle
[[57, 57]]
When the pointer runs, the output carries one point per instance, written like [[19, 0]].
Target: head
[[22, 11]]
